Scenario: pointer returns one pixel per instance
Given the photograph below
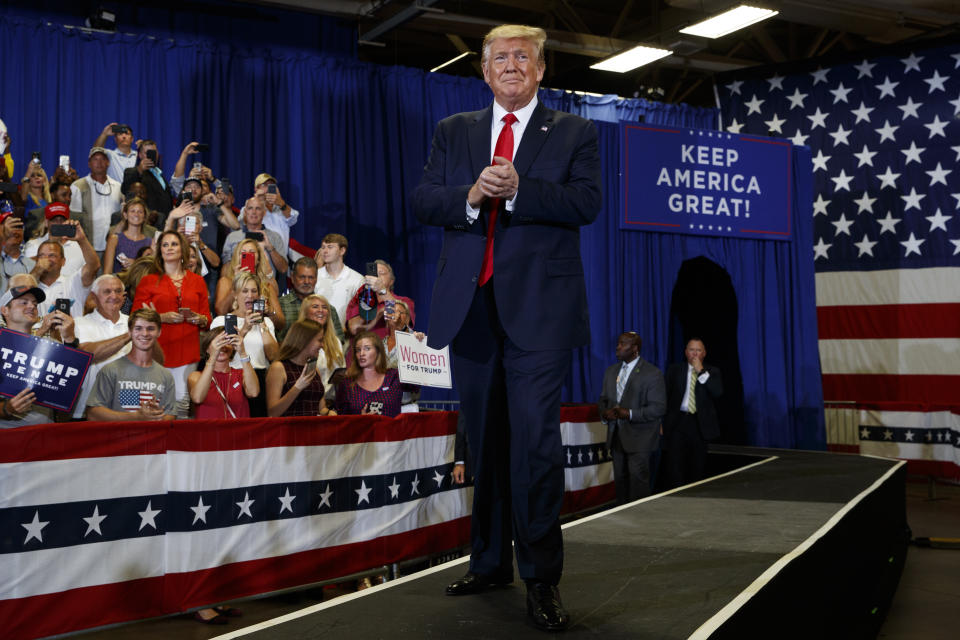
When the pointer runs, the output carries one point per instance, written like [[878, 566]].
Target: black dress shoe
[[475, 583], [544, 607]]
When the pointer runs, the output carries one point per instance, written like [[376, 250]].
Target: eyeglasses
[[97, 187]]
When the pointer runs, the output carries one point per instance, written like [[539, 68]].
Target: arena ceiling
[[427, 33]]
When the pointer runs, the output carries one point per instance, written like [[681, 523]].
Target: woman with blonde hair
[[294, 387], [35, 187], [257, 330], [246, 251], [317, 308]]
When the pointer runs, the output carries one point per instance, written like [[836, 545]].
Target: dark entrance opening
[[704, 304]]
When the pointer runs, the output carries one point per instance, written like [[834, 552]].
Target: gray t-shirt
[[122, 385]]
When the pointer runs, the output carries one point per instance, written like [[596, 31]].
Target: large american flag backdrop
[[886, 145], [106, 522]]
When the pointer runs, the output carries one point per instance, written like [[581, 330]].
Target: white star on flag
[[796, 100], [286, 500], [148, 516], [842, 225], [820, 161], [415, 485], [776, 82], [862, 112], [818, 119], [799, 139], [938, 221], [886, 87], [245, 505], [842, 181], [820, 249], [912, 199], [394, 489], [734, 126], [888, 223], [937, 127], [887, 131], [865, 157], [936, 81], [325, 497], [913, 153], [888, 179], [775, 124], [820, 75], [912, 245], [840, 135], [200, 511], [94, 522], [753, 106], [34, 528], [912, 63], [865, 246], [938, 175], [864, 69], [865, 203], [840, 93], [820, 205], [909, 108], [363, 493], [438, 478]]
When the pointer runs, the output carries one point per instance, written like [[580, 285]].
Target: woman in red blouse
[[218, 390], [369, 386], [180, 297]]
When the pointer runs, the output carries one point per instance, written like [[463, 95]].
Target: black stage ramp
[[794, 545]]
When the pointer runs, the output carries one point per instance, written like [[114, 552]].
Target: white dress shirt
[[340, 290], [93, 327], [523, 117], [701, 379], [106, 199]]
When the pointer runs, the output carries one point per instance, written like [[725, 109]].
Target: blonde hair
[[263, 262], [535, 35], [46, 184], [331, 344], [241, 279]]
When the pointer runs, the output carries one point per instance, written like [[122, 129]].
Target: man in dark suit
[[510, 301], [691, 420], [632, 403]]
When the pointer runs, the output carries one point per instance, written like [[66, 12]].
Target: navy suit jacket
[[537, 270]]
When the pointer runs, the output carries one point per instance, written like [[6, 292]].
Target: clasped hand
[[499, 180]]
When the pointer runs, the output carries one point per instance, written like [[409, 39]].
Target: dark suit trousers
[[685, 453], [631, 472], [511, 401]]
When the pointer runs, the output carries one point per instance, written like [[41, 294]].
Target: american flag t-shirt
[[132, 399]]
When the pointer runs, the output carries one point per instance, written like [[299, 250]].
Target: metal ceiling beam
[[404, 15]]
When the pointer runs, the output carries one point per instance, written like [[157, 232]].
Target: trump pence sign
[[705, 182]]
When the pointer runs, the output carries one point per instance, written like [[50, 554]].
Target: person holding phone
[[35, 187], [279, 216], [160, 196], [132, 234], [96, 198], [369, 386], [123, 157], [294, 387], [249, 256], [380, 279], [255, 329], [218, 389], [52, 227], [12, 256], [180, 297], [50, 262], [254, 229]]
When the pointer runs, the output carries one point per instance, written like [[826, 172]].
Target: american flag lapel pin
[[543, 128]]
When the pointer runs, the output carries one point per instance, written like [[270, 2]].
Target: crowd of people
[[190, 305]]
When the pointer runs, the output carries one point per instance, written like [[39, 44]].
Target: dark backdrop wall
[[348, 141]]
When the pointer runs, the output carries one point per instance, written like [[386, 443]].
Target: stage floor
[[674, 565]]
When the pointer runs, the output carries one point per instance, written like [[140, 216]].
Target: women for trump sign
[[705, 182]]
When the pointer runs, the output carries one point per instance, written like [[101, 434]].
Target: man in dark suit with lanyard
[[510, 301], [691, 419]]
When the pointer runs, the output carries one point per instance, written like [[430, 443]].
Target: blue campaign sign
[[54, 372], [705, 182]]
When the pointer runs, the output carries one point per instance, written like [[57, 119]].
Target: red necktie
[[503, 149]]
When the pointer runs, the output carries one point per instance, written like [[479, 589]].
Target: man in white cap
[[95, 198]]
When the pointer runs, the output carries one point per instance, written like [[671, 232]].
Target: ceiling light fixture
[[729, 21], [631, 59], [452, 60]]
